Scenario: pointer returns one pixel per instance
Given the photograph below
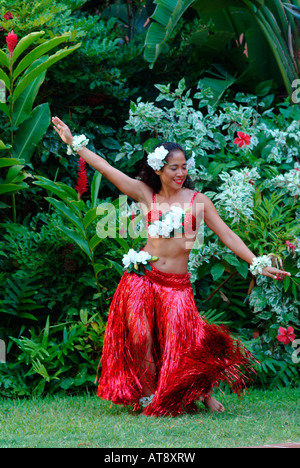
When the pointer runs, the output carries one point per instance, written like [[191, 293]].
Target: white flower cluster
[[172, 220], [236, 193], [156, 159], [134, 258], [79, 141], [259, 263]]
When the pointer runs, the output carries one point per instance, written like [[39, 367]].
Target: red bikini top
[[189, 223]]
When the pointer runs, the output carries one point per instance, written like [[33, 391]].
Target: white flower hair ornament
[[156, 158]]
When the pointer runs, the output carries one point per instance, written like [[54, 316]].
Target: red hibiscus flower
[[286, 335], [242, 139], [11, 41], [82, 182]]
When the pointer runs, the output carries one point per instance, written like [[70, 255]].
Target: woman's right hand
[[63, 130]]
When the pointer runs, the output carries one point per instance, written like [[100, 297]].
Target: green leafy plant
[[60, 357], [280, 30], [14, 179], [22, 78], [81, 216]]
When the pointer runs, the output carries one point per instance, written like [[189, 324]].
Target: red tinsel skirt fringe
[[157, 342]]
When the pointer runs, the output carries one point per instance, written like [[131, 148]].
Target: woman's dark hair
[[148, 175]]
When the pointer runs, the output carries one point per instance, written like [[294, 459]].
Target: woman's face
[[174, 173]]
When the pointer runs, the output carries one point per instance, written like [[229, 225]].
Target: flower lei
[[135, 261], [79, 141], [156, 159], [169, 223], [259, 263]]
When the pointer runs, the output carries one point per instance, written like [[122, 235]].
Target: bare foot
[[212, 404]]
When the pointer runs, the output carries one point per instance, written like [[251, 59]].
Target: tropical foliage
[[248, 28], [223, 84]]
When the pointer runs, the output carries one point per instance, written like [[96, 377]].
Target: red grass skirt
[[156, 338]]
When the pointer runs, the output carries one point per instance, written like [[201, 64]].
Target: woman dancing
[[159, 353]]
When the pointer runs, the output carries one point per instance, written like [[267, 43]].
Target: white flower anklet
[[145, 401]]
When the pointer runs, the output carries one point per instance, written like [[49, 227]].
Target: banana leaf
[[164, 19]]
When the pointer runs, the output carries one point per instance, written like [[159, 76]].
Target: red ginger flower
[[242, 140], [82, 182], [286, 335], [11, 41]]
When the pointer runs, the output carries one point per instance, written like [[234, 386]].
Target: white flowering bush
[[236, 194], [244, 152]]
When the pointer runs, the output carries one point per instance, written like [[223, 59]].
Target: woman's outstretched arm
[[230, 239], [135, 189]]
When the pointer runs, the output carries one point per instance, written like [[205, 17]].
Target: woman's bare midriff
[[173, 253]]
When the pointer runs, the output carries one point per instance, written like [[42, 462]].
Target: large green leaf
[[5, 109], [82, 243], [3, 146], [4, 60], [11, 188], [23, 106], [164, 19], [6, 162], [31, 132], [37, 52], [14, 180], [217, 271], [27, 79], [25, 42], [89, 217], [14, 174], [5, 78], [217, 87], [94, 241], [95, 187], [59, 188], [68, 213]]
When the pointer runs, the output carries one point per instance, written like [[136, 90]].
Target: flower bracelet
[[259, 263], [79, 141]]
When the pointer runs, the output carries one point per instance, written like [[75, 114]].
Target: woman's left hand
[[274, 273]]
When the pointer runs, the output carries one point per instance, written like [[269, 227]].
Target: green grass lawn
[[260, 417]]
